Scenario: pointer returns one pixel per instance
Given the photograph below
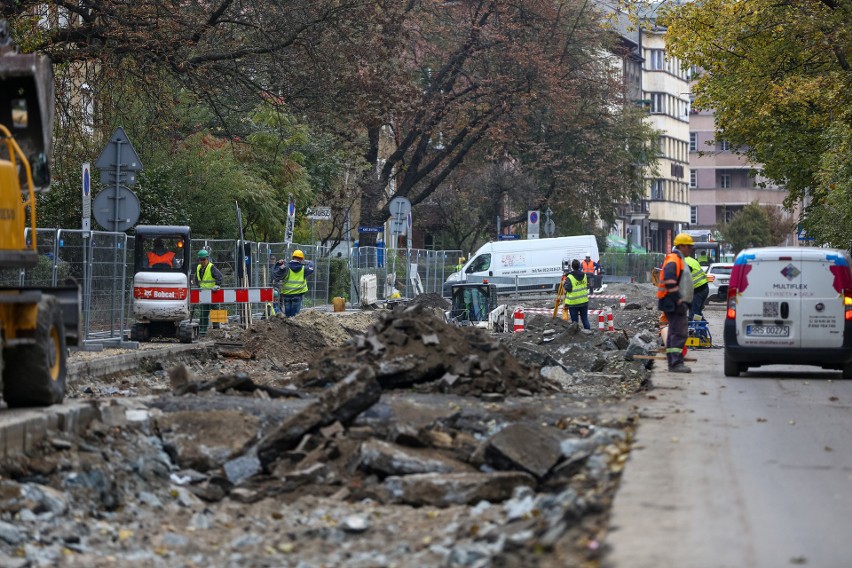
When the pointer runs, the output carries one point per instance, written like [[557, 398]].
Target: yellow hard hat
[[683, 239], [298, 254]]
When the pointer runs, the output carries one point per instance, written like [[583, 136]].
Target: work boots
[[680, 368]]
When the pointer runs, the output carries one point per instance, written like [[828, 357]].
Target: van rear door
[[769, 308], [822, 303]]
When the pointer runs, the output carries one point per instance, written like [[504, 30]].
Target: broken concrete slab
[[341, 402], [445, 489], [204, 440], [525, 447], [388, 459]]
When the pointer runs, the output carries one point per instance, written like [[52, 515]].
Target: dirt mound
[[409, 346], [299, 339]]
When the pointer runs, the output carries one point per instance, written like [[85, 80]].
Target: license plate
[[768, 330]]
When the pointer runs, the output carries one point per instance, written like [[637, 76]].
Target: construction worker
[[165, 258], [293, 283], [701, 288], [591, 269], [674, 293], [576, 286], [205, 276], [460, 265]]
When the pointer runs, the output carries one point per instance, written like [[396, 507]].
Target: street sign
[[399, 207], [318, 213], [549, 227], [119, 153], [87, 190], [364, 229], [116, 209], [508, 237], [126, 178], [533, 218]]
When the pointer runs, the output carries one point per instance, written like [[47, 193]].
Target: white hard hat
[[588, 255]]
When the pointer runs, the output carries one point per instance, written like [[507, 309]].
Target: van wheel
[[732, 368]]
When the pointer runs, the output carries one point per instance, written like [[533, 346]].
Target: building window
[[658, 60], [724, 145], [725, 181], [693, 179], [693, 215], [657, 190], [658, 103], [693, 141]]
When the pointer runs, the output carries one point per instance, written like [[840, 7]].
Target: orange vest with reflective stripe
[[165, 258], [662, 290], [588, 266]]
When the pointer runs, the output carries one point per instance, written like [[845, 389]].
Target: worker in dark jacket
[[576, 286], [674, 293], [291, 280]]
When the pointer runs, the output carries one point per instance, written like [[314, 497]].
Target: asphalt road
[[754, 471]]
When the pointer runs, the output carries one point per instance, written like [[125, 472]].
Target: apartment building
[[665, 88], [722, 181]]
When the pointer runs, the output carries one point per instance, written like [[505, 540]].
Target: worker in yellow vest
[[674, 294], [701, 286], [293, 282], [577, 294], [205, 276]]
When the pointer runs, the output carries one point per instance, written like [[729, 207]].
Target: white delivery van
[[533, 260], [789, 305]]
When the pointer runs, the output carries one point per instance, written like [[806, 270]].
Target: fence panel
[[624, 266], [396, 269]]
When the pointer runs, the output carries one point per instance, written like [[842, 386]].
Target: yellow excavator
[[37, 324]]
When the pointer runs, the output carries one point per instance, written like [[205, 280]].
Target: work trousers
[[699, 298], [579, 312], [676, 338], [291, 304]]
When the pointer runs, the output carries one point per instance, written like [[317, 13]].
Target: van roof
[[839, 256]]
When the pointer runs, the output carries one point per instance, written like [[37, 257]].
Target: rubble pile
[[389, 439], [409, 346]]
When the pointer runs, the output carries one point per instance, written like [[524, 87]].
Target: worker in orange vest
[[674, 293], [592, 269], [160, 255]]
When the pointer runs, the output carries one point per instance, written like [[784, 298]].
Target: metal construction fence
[[409, 271], [626, 267], [102, 263]]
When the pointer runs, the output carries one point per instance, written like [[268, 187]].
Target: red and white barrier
[[518, 319], [230, 296], [605, 321]]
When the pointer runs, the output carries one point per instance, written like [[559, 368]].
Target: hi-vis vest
[[588, 266], [206, 279], [579, 293], [661, 287], [294, 282], [699, 277]]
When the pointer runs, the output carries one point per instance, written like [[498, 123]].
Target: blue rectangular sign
[[369, 229], [508, 237]]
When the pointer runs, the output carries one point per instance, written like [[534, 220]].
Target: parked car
[[789, 306], [721, 273]]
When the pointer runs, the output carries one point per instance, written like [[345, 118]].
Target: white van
[[527, 261], [789, 305]]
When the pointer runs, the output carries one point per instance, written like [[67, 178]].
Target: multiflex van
[[525, 263], [789, 305]]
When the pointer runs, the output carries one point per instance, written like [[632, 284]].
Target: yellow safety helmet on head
[[683, 239], [298, 254]]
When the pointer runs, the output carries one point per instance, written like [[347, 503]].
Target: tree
[[779, 78], [749, 227], [781, 225]]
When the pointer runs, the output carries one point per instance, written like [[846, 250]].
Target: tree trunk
[[373, 203]]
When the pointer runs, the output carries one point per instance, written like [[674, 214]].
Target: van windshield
[[480, 264]]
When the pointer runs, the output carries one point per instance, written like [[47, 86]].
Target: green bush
[[338, 276]]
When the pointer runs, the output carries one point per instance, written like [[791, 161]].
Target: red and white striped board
[[230, 296]]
